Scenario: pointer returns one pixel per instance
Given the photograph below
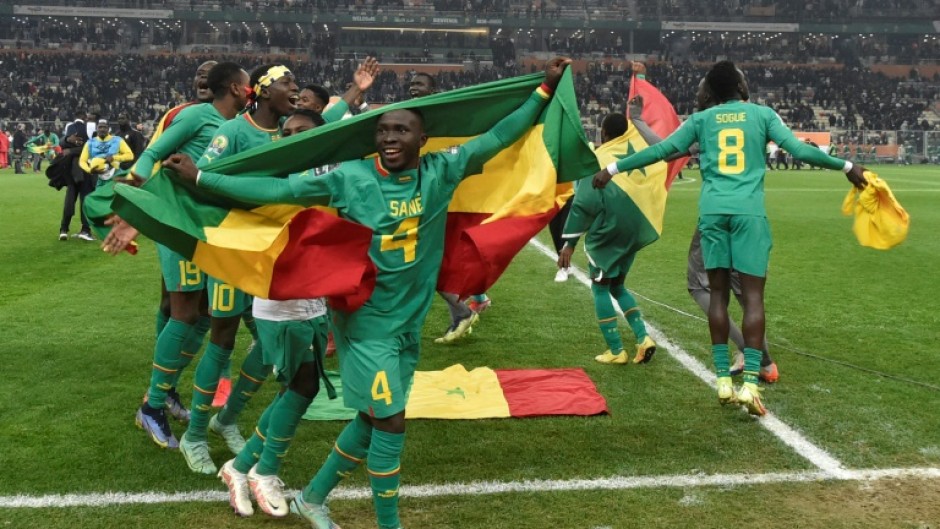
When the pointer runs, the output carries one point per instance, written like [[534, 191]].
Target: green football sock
[[384, 468], [281, 429], [251, 325], [206, 381], [162, 319], [192, 344], [720, 357], [607, 318], [752, 358], [255, 445], [479, 298], [250, 379], [351, 448], [166, 360], [631, 311]]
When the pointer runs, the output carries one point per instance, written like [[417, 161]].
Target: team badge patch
[[217, 147]]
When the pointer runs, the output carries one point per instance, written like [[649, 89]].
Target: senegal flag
[[646, 187], [491, 217], [484, 393]]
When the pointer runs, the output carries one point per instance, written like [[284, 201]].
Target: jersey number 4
[[731, 155], [405, 238]]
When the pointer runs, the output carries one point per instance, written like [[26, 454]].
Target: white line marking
[[830, 468], [477, 488], [789, 436]]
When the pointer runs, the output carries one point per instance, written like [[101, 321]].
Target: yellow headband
[[273, 74]]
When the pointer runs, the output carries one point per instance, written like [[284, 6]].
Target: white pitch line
[[788, 435], [478, 488]]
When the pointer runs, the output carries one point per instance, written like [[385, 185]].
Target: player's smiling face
[[201, 82], [420, 86], [309, 100], [399, 136], [283, 95]]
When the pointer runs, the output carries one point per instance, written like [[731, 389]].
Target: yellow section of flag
[[456, 393], [646, 186]]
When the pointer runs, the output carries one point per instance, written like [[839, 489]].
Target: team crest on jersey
[[217, 147]]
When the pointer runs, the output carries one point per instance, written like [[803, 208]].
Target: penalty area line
[[479, 488]]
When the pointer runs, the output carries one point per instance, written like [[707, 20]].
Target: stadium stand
[[870, 89]]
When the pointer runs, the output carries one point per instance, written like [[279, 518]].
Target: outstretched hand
[[554, 68], [366, 73], [183, 166], [857, 176], [122, 234]]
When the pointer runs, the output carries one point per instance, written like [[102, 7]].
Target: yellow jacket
[[880, 221]]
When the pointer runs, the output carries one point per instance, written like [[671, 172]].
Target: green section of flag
[[458, 113], [175, 214]]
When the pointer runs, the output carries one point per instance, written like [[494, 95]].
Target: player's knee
[[393, 424], [306, 381]]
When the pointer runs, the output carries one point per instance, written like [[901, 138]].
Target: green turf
[[78, 338]]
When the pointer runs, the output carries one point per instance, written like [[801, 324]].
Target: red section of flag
[[327, 255], [661, 116], [534, 392], [476, 254]]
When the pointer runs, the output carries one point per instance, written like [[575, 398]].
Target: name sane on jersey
[[405, 208]]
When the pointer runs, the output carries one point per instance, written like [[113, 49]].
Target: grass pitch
[[854, 331]]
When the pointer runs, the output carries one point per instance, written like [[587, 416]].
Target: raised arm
[[362, 80], [168, 143], [677, 142], [783, 136], [255, 189], [476, 152]]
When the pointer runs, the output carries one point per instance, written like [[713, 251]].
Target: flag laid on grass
[[491, 217], [484, 393], [646, 187]]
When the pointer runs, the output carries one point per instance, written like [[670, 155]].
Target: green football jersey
[[189, 133], [235, 136], [407, 212], [732, 138], [608, 220]]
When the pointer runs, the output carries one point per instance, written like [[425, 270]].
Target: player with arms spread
[[732, 136], [403, 197]]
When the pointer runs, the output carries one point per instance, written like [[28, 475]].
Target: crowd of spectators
[[780, 10], [50, 86]]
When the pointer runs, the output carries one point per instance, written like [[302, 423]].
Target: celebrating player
[[732, 218], [378, 347]]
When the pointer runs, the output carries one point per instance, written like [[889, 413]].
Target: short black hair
[[320, 92], [432, 81], [313, 116], [220, 76], [614, 125], [723, 79]]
